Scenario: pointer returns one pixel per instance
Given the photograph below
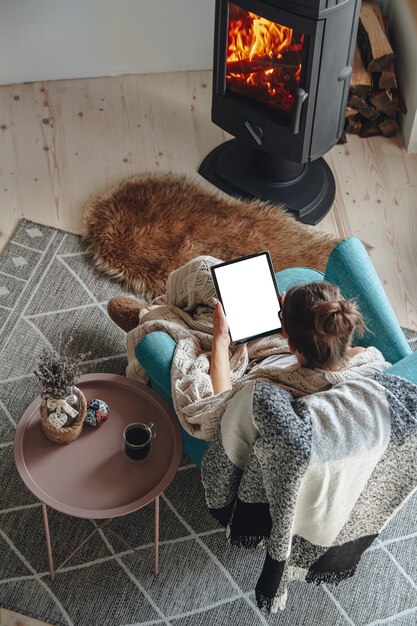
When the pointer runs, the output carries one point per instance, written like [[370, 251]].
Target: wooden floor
[[65, 141], [10, 618], [62, 142]]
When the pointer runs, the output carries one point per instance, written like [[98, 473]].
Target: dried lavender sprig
[[58, 373]]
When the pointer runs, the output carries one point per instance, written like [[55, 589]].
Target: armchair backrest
[[350, 267]]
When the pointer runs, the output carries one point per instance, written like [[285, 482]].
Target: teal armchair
[[349, 267]]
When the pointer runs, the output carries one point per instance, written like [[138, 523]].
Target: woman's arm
[[219, 362]]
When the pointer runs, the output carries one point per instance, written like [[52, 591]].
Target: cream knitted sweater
[[186, 314]]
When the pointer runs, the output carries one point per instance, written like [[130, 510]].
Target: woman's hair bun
[[337, 318]]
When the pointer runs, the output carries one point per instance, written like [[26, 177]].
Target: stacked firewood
[[373, 97]]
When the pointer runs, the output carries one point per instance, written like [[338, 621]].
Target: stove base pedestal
[[306, 190]]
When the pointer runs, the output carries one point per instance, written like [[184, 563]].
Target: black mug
[[137, 439]]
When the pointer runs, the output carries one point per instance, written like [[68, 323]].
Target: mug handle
[[151, 425]]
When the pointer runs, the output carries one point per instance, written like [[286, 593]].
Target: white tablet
[[249, 294]]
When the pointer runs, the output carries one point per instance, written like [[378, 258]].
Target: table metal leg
[[156, 561], [48, 540], [98, 527], [78, 548]]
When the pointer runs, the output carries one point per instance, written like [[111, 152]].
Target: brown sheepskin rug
[[148, 225]]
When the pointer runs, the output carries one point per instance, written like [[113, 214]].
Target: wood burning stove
[[280, 87]]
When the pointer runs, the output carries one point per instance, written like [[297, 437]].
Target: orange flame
[[264, 38], [255, 58]]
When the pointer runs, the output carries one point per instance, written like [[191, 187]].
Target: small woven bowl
[[68, 433]]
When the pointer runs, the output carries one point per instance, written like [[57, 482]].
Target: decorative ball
[[97, 412]]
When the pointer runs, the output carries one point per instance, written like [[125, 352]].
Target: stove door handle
[[256, 131], [300, 96]]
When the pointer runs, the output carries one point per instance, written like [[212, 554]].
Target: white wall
[[55, 39], [403, 32], [384, 5]]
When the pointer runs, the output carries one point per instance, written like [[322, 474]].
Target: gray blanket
[[315, 479]]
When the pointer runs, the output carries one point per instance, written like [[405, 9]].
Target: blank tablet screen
[[249, 295]]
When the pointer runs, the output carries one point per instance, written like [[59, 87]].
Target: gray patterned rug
[[47, 285]]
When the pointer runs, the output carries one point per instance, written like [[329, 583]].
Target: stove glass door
[[263, 60]]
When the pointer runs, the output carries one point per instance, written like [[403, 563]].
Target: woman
[[318, 324], [313, 354]]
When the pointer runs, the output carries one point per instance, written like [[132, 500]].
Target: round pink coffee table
[[92, 477]]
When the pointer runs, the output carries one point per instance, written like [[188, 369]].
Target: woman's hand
[[219, 360], [220, 326]]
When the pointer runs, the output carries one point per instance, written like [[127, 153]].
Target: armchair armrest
[[155, 353], [406, 368]]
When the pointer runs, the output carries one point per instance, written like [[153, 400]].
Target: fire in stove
[[263, 59]]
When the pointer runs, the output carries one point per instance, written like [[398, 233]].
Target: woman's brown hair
[[320, 323]]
